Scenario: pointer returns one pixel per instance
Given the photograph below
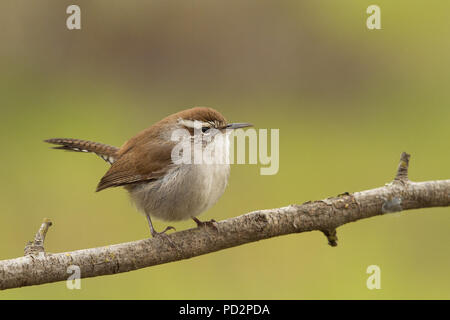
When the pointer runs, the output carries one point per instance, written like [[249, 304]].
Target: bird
[[148, 165]]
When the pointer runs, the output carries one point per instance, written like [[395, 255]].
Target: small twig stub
[[37, 245], [402, 171]]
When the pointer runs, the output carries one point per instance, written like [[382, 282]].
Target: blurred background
[[347, 101]]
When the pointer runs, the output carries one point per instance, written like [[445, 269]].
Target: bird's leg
[[211, 223], [153, 231]]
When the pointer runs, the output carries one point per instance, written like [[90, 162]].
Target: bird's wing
[[142, 158]]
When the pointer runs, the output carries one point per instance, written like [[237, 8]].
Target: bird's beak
[[238, 125]]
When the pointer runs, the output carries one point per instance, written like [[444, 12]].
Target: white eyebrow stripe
[[193, 123]]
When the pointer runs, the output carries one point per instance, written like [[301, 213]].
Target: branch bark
[[323, 215]]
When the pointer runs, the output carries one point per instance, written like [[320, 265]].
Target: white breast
[[185, 191]]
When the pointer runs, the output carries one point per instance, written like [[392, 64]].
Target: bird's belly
[[184, 192]]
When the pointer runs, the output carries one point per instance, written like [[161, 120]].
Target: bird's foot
[[156, 233], [163, 235], [206, 224]]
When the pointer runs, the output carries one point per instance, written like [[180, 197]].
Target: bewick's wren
[[158, 185]]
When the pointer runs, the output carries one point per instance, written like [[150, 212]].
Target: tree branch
[[324, 215]]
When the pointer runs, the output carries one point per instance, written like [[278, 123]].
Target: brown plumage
[[145, 157]]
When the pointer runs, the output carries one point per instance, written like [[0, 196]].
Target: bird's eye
[[204, 129]]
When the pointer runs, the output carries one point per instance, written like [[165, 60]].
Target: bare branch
[[324, 215]]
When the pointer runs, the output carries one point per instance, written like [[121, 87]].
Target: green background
[[347, 101]]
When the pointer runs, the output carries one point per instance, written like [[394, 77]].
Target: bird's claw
[[164, 235]]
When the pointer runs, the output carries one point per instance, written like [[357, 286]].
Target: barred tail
[[106, 152]]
